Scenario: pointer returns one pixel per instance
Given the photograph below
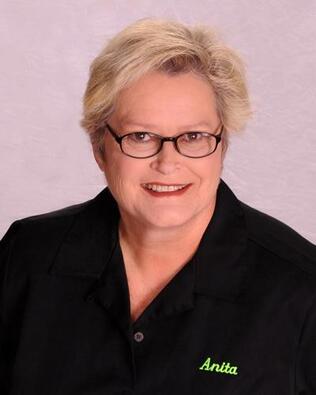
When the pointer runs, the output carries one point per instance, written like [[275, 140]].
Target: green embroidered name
[[216, 367]]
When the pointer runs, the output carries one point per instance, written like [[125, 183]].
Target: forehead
[[161, 100]]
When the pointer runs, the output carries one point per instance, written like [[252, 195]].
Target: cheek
[[209, 172], [123, 172]]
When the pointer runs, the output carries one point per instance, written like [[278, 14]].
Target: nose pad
[[169, 148], [167, 160]]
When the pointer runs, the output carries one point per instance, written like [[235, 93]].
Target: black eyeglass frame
[[174, 139]]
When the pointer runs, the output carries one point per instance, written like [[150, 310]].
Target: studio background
[[46, 161]]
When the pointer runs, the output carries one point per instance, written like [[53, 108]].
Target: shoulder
[[57, 220], [279, 239], [38, 226], [62, 214], [34, 241]]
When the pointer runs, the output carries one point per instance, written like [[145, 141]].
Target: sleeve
[[6, 245], [306, 356]]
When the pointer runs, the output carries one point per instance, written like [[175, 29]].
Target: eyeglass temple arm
[[117, 138]]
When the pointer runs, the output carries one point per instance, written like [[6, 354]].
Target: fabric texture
[[238, 318]]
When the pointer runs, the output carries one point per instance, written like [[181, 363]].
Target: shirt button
[[138, 337]]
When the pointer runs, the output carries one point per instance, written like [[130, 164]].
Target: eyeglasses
[[145, 144]]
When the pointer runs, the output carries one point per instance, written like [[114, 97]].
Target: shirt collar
[[218, 268], [221, 257]]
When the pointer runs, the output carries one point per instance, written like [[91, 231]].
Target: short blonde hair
[[152, 44]]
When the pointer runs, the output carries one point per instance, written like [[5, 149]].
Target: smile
[[164, 188]]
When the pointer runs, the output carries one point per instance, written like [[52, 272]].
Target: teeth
[[164, 188]]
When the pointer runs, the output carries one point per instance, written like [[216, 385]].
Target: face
[[166, 105]]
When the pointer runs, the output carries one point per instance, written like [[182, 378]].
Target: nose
[[167, 160]]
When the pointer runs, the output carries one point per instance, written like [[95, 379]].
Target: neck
[[149, 249]]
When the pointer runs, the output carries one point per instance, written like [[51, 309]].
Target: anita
[[224, 368]]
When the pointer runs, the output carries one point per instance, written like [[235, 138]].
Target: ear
[[98, 156]]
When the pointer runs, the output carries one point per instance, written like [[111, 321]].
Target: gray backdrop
[[46, 47]]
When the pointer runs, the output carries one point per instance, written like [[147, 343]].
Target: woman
[[164, 283]]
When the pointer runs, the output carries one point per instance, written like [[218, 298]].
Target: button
[[138, 337]]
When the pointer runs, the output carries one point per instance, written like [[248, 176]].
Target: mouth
[[162, 190]]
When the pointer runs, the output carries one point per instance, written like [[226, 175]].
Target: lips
[[163, 190]]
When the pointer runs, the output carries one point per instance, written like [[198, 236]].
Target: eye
[[192, 136], [139, 137]]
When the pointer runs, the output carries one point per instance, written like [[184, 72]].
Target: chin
[[168, 220]]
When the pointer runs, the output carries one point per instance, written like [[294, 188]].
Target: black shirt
[[239, 318]]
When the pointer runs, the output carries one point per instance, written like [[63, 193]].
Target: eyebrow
[[146, 126]]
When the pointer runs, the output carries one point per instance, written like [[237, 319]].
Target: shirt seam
[[301, 265], [15, 228], [300, 338]]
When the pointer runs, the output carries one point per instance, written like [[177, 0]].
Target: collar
[[218, 268], [222, 264]]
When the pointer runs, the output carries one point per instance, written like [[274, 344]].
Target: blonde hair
[[153, 44]]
